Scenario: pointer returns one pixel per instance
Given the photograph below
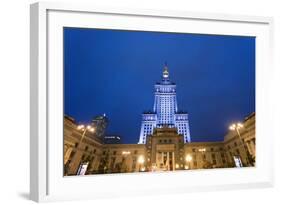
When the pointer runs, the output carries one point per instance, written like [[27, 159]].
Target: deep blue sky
[[114, 72]]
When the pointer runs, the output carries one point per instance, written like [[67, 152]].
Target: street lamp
[[236, 127], [83, 166], [85, 129], [188, 159]]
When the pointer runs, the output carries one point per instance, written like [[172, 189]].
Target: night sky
[[114, 72]]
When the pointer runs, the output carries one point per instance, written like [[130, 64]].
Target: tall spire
[[165, 71]]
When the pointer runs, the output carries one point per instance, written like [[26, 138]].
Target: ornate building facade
[[165, 111], [164, 150]]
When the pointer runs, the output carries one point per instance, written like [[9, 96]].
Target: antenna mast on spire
[[165, 71]]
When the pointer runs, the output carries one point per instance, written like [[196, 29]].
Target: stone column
[[249, 147], [173, 154], [162, 160], [168, 160], [253, 147], [67, 153]]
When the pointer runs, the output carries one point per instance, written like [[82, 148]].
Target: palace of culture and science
[[164, 142], [165, 111]]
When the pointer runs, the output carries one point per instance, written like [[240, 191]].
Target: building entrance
[[165, 161]]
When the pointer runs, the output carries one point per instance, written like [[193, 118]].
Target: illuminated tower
[[165, 111]]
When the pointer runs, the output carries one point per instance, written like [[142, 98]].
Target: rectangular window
[[72, 154], [113, 162], [134, 163], [237, 150]]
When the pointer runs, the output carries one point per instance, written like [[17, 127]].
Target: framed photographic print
[[151, 101]]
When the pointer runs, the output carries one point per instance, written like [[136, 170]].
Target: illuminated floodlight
[[188, 158], [236, 126], [202, 150], [126, 152], [141, 159], [80, 127]]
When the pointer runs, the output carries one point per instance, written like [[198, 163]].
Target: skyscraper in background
[[100, 124], [165, 111]]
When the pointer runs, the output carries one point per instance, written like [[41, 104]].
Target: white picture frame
[[46, 177]]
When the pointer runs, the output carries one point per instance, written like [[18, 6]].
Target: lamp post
[[188, 159], [84, 129], [236, 127]]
